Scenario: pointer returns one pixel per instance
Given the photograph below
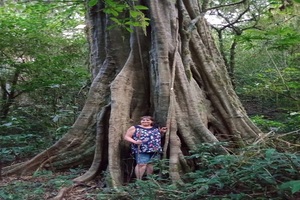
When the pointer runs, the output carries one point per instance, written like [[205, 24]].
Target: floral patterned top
[[151, 138]]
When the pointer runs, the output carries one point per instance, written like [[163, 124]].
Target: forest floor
[[58, 186]]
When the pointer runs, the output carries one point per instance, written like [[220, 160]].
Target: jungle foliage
[[43, 73], [262, 171]]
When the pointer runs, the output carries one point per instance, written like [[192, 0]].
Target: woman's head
[[147, 118]]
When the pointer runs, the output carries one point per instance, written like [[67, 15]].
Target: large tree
[[171, 70]]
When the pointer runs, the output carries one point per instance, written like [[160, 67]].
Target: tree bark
[[174, 73]]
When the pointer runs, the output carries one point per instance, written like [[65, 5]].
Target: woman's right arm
[[128, 136]]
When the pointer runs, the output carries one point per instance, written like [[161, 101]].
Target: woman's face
[[146, 121]]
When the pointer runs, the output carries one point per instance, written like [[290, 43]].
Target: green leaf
[[93, 2], [294, 186], [120, 8], [140, 7], [270, 152], [129, 29], [115, 13], [111, 3], [134, 13], [115, 20]]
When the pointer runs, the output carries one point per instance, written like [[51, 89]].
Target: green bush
[[255, 172], [283, 124], [21, 137], [266, 124]]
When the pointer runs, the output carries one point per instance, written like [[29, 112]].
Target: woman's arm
[[128, 136]]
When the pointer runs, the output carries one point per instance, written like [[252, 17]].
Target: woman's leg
[[149, 169], [140, 170], [153, 157], [141, 159]]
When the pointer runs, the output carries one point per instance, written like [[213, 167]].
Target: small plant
[[266, 124]]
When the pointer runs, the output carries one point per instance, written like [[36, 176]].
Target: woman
[[146, 144]]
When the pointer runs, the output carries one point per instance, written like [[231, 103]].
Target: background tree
[[174, 72], [42, 73], [231, 20], [270, 27], [35, 50], [270, 58]]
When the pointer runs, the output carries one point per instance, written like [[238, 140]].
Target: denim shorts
[[143, 158]]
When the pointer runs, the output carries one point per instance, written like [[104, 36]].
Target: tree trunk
[[8, 97], [174, 73]]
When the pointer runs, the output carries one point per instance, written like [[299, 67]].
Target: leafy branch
[[115, 9]]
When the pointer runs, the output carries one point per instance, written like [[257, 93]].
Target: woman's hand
[[138, 142], [163, 129]]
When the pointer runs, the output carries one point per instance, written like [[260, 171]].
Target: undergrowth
[[267, 169], [259, 171], [42, 185]]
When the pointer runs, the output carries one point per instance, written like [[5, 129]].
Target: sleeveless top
[[151, 138]]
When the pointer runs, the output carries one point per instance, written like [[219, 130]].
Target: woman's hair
[[148, 117]]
